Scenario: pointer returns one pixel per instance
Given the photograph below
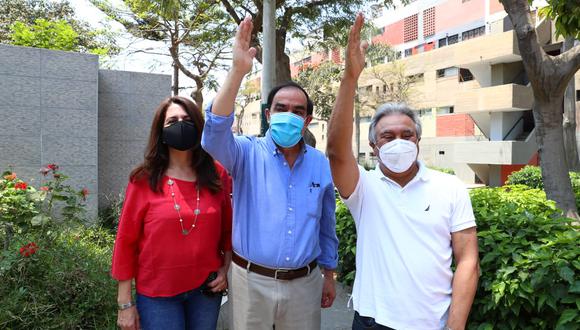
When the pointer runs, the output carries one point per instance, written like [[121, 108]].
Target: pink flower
[[44, 171], [52, 167], [10, 176], [45, 188], [20, 185]]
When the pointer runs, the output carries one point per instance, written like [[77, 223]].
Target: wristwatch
[[124, 306]]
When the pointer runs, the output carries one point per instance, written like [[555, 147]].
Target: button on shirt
[[283, 217]]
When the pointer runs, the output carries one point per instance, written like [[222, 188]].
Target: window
[[377, 90], [473, 33], [254, 115], [465, 75], [578, 95], [442, 42], [452, 39], [408, 52], [447, 72], [444, 110], [384, 88], [425, 112]]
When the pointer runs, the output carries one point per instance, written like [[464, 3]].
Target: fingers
[[219, 284], [244, 33], [354, 35]]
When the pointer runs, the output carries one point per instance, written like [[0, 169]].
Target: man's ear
[[307, 121], [267, 115]]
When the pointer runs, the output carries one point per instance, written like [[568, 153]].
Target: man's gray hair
[[390, 109]]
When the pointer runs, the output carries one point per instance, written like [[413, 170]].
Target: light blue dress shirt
[[283, 217]]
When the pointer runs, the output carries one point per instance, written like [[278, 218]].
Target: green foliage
[[62, 283], [346, 232], [531, 176], [27, 12], [57, 35], [321, 80], [565, 14], [109, 216], [529, 262]]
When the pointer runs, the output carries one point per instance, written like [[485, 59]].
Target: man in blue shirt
[[284, 223]]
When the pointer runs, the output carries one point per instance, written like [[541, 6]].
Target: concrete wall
[[48, 106], [57, 107], [127, 102]]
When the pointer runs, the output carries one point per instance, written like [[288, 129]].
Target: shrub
[[529, 262], [58, 279], [346, 232], [531, 176]]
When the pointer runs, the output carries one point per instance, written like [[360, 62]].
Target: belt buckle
[[281, 271]]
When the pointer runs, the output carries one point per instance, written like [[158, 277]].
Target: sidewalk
[[337, 317]]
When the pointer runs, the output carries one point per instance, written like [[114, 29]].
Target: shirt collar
[[273, 148], [423, 173]]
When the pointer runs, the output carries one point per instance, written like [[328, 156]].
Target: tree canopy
[[35, 19]]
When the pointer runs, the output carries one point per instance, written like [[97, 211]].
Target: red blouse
[[150, 246]]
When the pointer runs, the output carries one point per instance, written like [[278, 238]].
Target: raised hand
[[355, 50], [243, 54]]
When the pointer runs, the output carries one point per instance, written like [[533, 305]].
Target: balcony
[[509, 97], [496, 152]]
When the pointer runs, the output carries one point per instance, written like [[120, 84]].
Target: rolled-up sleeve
[[219, 141], [328, 241]]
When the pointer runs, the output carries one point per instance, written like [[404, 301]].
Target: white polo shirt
[[403, 251]]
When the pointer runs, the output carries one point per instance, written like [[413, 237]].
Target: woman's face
[[175, 113]]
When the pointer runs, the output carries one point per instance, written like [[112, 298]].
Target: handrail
[[513, 127], [482, 131]]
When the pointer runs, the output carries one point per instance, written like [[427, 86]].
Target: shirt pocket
[[313, 200]]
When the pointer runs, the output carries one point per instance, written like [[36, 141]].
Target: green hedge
[[64, 283], [531, 176], [530, 260]]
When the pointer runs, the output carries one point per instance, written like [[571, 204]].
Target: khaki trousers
[[258, 302]]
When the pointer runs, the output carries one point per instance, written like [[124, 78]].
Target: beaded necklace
[[177, 208]]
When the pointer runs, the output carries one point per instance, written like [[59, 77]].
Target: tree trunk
[[569, 122], [175, 79], [550, 139], [197, 95], [549, 77]]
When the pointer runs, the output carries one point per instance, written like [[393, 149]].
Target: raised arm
[[217, 138], [243, 55], [339, 148]]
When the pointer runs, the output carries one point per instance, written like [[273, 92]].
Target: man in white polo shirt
[[411, 221]]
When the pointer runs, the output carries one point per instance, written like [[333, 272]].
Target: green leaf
[[567, 316], [566, 274], [40, 219]]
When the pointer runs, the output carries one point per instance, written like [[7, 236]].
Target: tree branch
[[570, 62], [230, 9]]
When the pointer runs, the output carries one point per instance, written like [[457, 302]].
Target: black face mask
[[180, 135]]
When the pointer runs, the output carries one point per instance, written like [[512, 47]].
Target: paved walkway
[[337, 317]]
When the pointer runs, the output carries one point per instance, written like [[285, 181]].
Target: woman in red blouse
[[175, 227]]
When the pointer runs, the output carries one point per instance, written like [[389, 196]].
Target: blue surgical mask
[[286, 128]]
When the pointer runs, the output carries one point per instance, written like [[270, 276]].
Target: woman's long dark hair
[[157, 153]]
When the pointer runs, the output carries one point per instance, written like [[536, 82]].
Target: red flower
[[20, 185], [84, 193], [28, 249], [45, 188], [52, 167], [10, 176]]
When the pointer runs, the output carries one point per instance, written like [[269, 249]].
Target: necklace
[[177, 208]]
